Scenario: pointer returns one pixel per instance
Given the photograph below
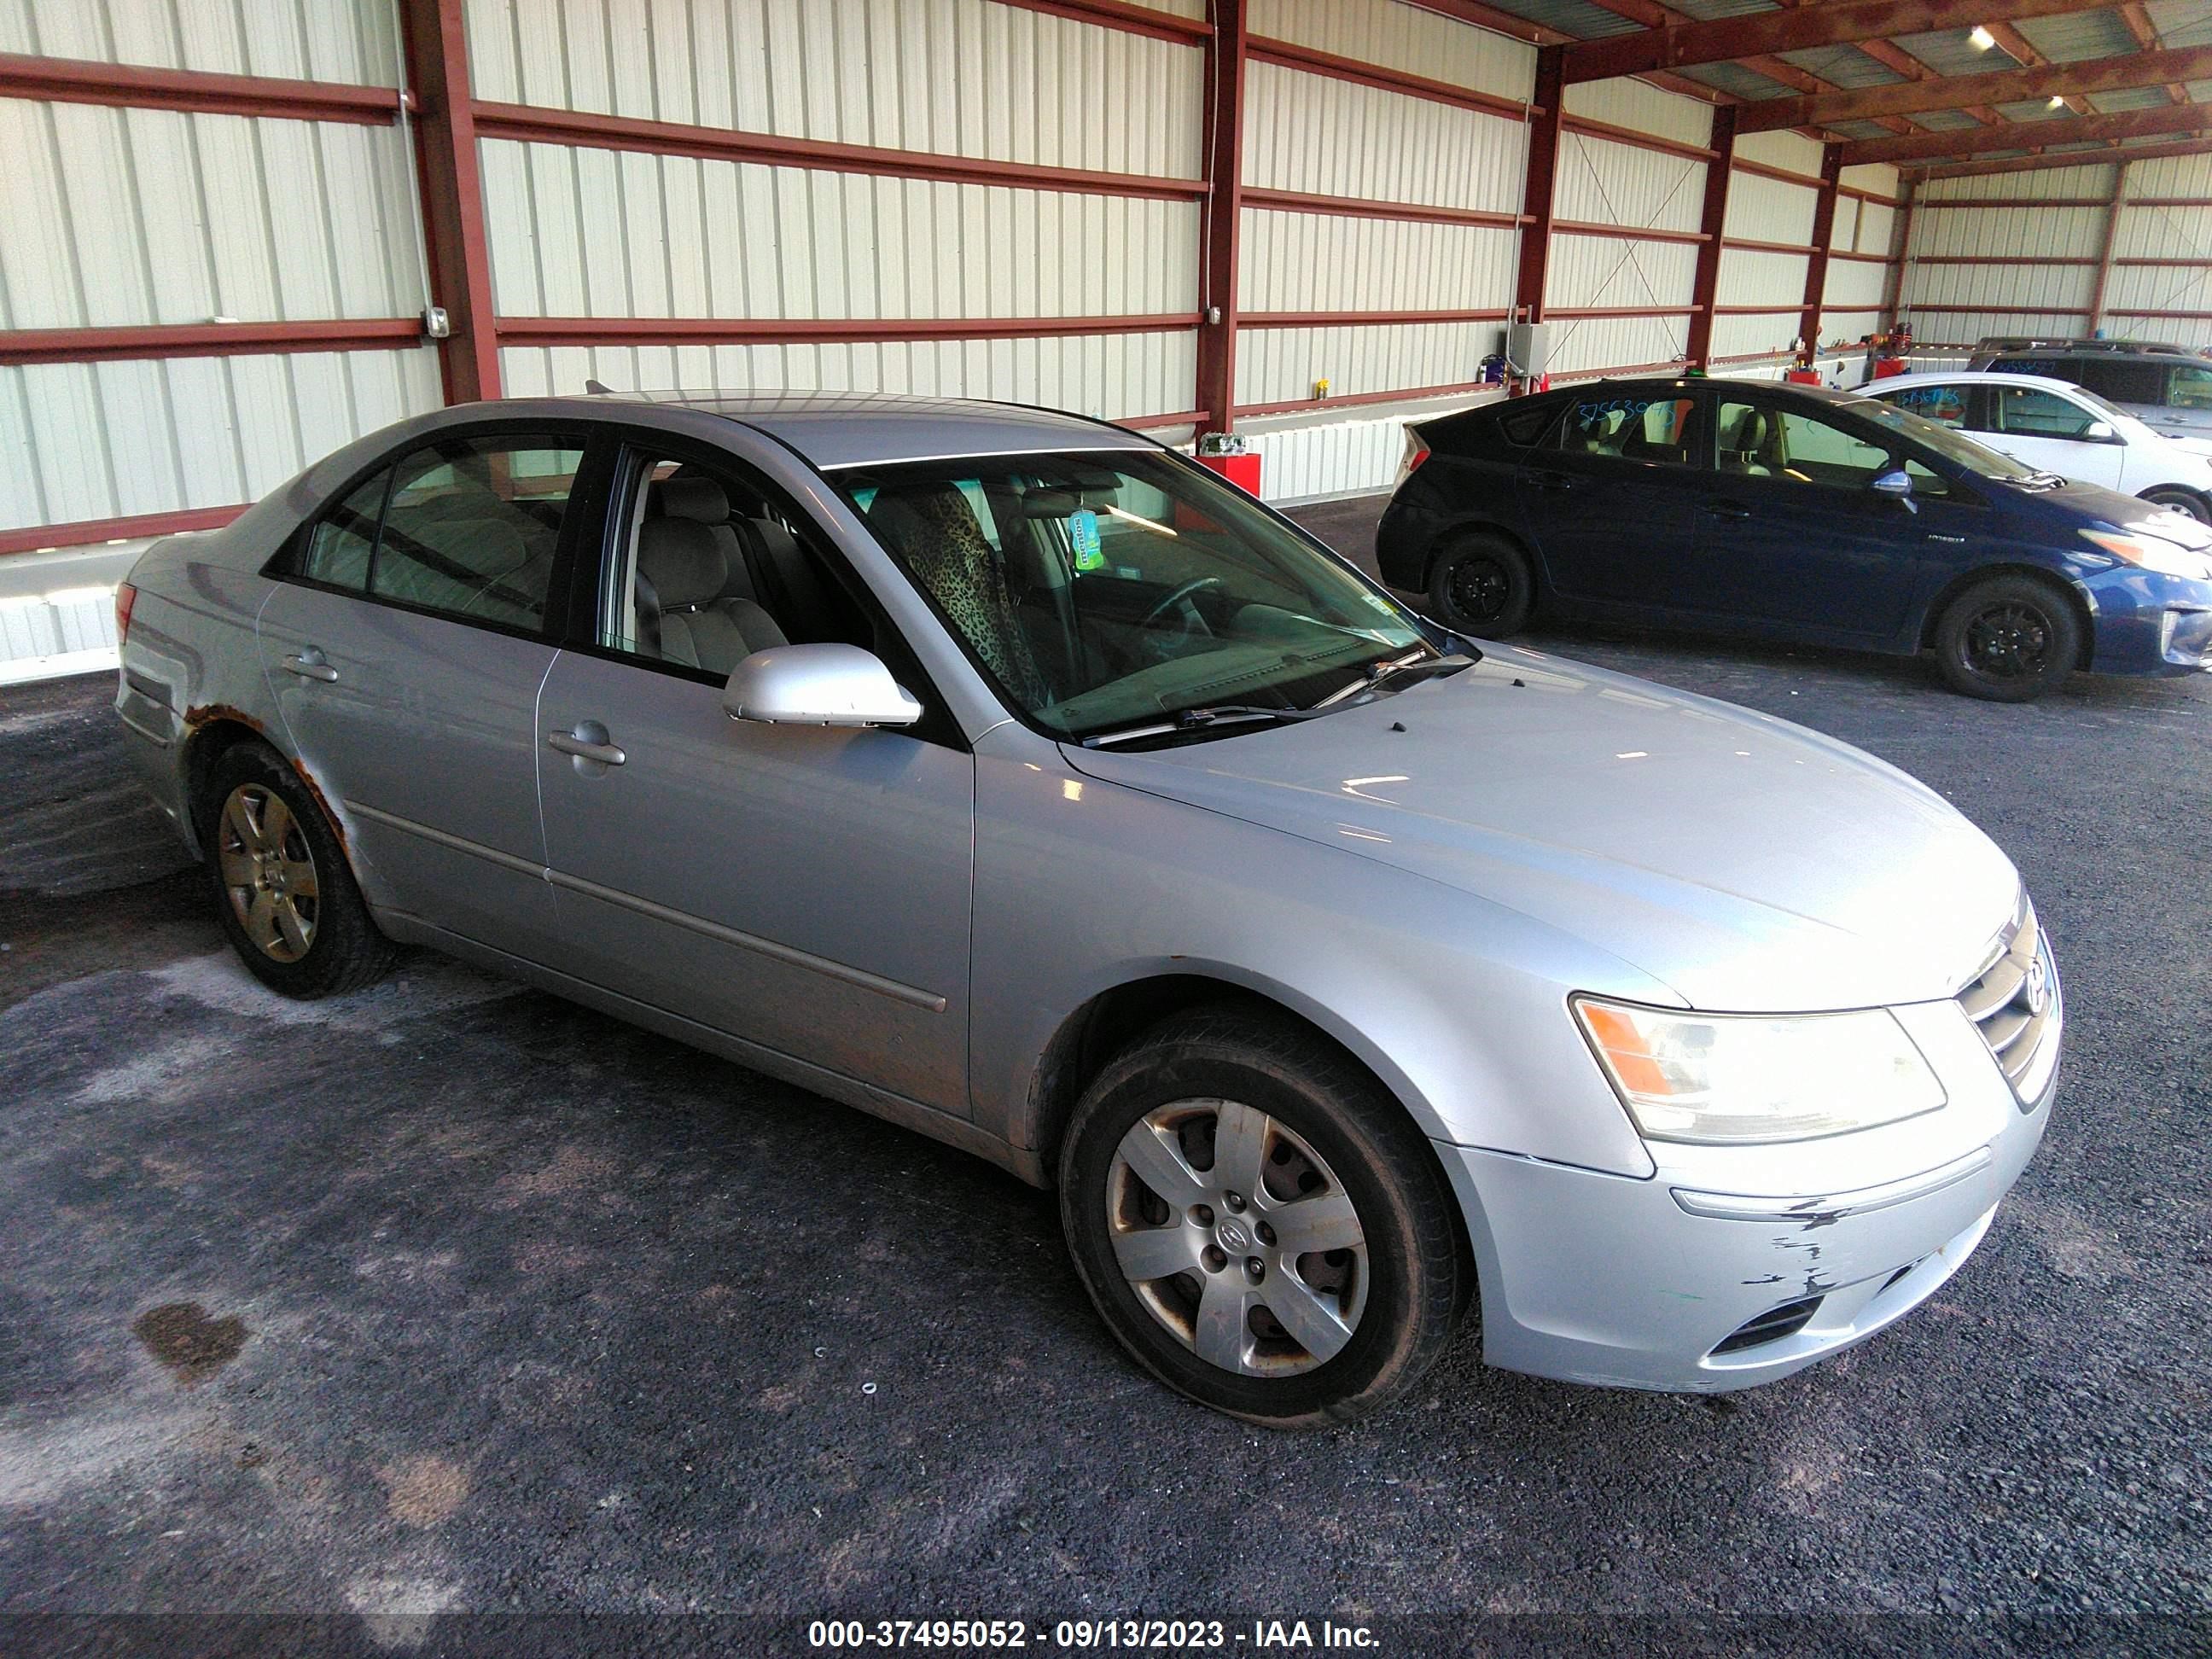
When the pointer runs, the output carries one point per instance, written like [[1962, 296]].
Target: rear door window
[[2118, 379], [1945, 405], [2027, 412], [337, 550], [1657, 430], [472, 525]]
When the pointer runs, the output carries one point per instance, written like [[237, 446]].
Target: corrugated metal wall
[[129, 217], [1317, 135], [2155, 226], [1604, 181], [1956, 303], [703, 238]]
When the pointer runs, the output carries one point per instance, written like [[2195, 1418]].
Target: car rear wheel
[[1257, 1224], [2010, 638], [1482, 584], [286, 894], [2181, 501]]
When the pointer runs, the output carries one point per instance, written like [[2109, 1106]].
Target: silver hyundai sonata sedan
[[1003, 773]]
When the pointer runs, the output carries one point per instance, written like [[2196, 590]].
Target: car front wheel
[[286, 894], [1257, 1224], [2010, 638], [1482, 584]]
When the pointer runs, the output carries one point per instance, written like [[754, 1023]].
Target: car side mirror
[[1897, 483], [817, 685], [2101, 432]]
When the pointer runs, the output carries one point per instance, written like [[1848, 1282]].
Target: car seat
[[930, 527]]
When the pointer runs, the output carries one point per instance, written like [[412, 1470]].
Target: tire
[[1482, 584], [2010, 638], [1372, 1310], [2181, 501], [282, 887]]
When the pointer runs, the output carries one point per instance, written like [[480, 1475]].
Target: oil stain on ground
[[192, 1346]]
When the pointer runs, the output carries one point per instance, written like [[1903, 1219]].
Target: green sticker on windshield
[[1083, 535]]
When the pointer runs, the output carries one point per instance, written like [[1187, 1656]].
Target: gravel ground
[[451, 1297]]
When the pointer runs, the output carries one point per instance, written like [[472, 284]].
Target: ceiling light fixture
[[1981, 37]]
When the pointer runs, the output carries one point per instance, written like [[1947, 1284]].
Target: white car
[[2056, 425]]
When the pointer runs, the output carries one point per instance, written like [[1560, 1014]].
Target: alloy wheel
[[2007, 641], [268, 873], [1237, 1237], [1479, 589]]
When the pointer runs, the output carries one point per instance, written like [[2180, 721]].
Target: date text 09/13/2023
[[1167, 1635]]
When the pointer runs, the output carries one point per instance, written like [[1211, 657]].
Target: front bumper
[[1595, 1278], [2149, 623]]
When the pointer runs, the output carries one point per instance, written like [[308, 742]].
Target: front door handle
[[310, 664], [1726, 510], [1550, 482], [588, 741]]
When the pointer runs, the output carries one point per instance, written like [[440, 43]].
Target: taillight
[[1416, 452], [126, 597]]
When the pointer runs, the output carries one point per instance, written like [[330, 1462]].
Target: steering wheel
[[1181, 596]]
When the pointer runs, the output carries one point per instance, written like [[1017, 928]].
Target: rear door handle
[[1726, 510], [310, 664], [587, 741]]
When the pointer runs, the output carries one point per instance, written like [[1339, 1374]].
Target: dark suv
[[2170, 392]]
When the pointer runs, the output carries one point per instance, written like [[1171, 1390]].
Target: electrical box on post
[[1528, 350]]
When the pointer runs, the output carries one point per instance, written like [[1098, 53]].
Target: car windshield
[[1103, 590], [1953, 446]]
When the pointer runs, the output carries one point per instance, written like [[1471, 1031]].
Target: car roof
[[854, 429], [2093, 354], [1967, 377], [1690, 383]]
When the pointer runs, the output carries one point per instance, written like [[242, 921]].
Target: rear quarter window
[[1477, 432]]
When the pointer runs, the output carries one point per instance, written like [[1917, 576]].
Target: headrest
[[901, 512], [1750, 430], [689, 495], [683, 560]]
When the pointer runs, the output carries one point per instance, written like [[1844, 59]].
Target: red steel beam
[[1362, 318], [1226, 55], [2136, 17], [1824, 234], [1712, 224], [1360, 207], [818, 330], [2032, 135], [2064, 159], [1835, 22], [1962, 92], [453, 196], [73, 81], [84, 532], [2023, 51], [1901, 249], [2105, 251], [1119, 15], [586, 129], [1633, 138], [1288, 54], [1540, 177], [92, 345], [1624, 233], [1767, 170]]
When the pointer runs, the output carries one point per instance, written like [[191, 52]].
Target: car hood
[[1744, 862], [2123, 512]]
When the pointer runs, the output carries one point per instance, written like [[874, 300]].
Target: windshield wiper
[[1424, 661], [1200, 720]]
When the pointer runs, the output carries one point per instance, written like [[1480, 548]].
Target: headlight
[[1728, 1079], [2150, 553]]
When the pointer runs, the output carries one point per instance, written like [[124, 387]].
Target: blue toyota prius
[[1792, 512]]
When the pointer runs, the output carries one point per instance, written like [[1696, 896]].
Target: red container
[[1803, 377], [1242, 471], [1886, 367]]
